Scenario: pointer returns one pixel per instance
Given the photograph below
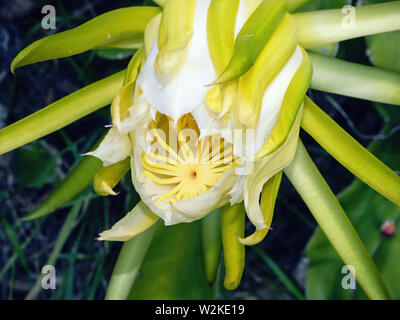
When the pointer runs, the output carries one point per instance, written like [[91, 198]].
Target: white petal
[[134, 223], [140, 114], [186, 90], [114, 148], [264, 170]]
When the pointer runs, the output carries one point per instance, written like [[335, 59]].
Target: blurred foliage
[[40, 163]]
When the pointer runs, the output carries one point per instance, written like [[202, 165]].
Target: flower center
[[190, 166]]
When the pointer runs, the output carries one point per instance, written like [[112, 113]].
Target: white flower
[[186, 159]]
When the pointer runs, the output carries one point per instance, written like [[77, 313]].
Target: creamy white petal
[[264, 170], [182, 92], [272, 101], [134, 223], [139, 114], [115, 147]]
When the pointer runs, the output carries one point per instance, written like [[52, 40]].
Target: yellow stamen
[[193, 166]]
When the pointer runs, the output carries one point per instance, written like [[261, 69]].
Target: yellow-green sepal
[[123, 100], [252, 38], [232, 226], [290, 108], [221, 22], [117, 25], [176, 31], [78, 179], [108, 177], [61, 113], [267, 204], [269, 63]]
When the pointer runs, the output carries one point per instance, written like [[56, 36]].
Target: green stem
[[326, 209], [354, 80], [349, 152], [61, 113], [328, 26], [128, 264]]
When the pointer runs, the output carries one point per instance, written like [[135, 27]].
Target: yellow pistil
[[191, 167]]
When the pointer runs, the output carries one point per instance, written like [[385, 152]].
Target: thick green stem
[[128, 264], [349, 152], [328, 26], [61, 113], [354, 80], [326, 209]]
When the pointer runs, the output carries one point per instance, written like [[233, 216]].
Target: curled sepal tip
[[267, 204], [108, 177], [232, 226]]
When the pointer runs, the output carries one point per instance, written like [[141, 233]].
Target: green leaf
[[367, 211], [173, 269], [117, 25], [61, 113]]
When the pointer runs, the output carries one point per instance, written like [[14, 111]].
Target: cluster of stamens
[[191, 166]]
